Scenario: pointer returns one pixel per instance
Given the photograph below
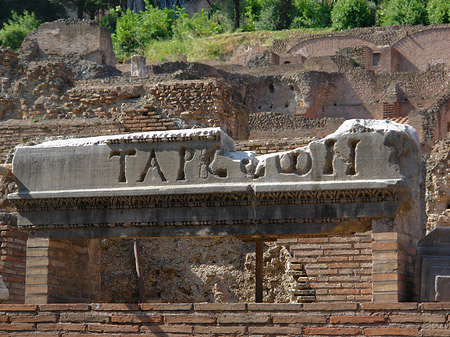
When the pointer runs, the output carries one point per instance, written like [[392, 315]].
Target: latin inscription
[[209, 163]]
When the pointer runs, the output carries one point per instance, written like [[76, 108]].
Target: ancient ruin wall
[[12, 258], [423, 49], [328, 45], [438, 186], [69, 38], [240, 319], [339, 268]]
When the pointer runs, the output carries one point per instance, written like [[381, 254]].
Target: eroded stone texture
[[138, 65], [438, 186], [192, 182], [193, 270], [442, 288], [433, 265], [79, 38]]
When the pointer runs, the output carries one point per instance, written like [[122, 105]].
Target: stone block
[[442, 288], [193, 182], [138, 68], [434, 265]]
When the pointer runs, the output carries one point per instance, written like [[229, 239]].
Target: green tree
[[16, 29], [89, 7], [311, 13], [126, 37], [134, 31], [404, 12], [44, 10], [352, 13], [269, 14], [197, 25], [438, 11], [229, 12]]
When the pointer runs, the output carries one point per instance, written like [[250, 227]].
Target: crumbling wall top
[[70, 38]]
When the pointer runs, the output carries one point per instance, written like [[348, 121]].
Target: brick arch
[[329, 45], [419, 50]]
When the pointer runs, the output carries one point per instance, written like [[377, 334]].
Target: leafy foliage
[[311, 14], [44, 10], [404, 12], [438, 11], [14, 31], [126, 38], [199, 25], [352, 13], [109, 20], [89, 7], [136, 31]]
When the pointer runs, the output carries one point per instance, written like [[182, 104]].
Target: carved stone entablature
[[192, 182]]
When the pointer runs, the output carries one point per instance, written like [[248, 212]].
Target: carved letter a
[[152, 165]]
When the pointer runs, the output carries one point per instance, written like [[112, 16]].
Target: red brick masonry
[[237, 319]]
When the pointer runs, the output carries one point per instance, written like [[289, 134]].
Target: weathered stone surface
[[4, 292], [442, 288], [191, 182], [438, 186], [82, 38], [138, 65], [217, 270], [434, 263]]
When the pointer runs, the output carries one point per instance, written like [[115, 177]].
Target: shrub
[[270, 14], [110, 20], [404, 12], [311, 14], [352, 13], [16, 29], [134, 31], [198, 25], [269, 17], [156, 24], [438, 11], [126, 37]]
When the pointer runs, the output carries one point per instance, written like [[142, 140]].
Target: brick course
[[339, 268], [329, 319]]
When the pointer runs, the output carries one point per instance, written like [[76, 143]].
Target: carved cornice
[[207, 200]]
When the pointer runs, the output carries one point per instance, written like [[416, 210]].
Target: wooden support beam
[[259, 271], [137, 259]]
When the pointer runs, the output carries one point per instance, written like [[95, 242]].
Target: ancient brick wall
[[14, 132], [240, 319], [12, 257], [420, 50], [267, 126], [339, 268], [433, 123], [82, 38], [62, 270], [328, 45]]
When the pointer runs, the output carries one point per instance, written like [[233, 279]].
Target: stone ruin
[[70, 38], [366, 245], [364, 176]]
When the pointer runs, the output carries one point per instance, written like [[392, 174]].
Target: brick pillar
[[12, 257], [392, 269], [62, 271]]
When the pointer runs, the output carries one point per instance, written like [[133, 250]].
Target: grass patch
[[219, 47]]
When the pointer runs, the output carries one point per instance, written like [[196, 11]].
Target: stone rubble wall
[[16, 132], [70, 37], [196, 270], [239, 319], [338, 268], [437, 186], [272, 145]]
